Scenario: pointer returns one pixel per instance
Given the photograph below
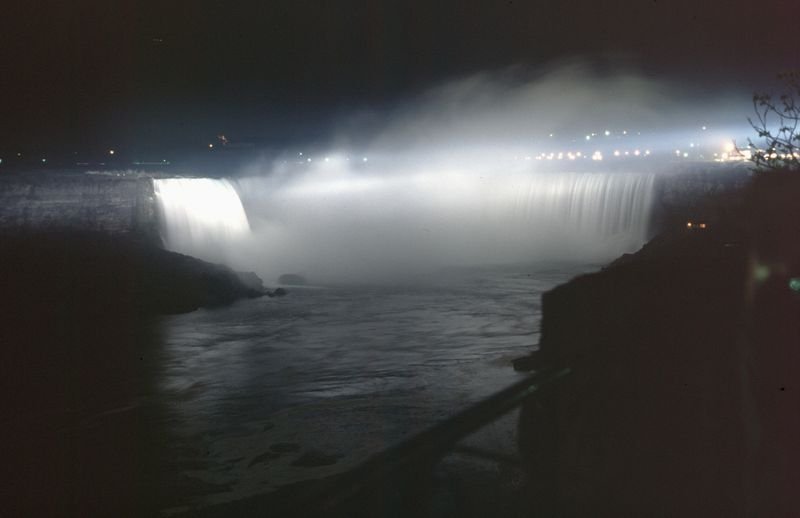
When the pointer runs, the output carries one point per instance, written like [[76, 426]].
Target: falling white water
[[360, 225], [201, 217], [610, 210]]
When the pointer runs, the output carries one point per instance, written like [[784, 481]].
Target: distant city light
[[110, 151], [44, 160], [700, 150]]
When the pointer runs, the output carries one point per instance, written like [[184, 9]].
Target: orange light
[[689, 224]]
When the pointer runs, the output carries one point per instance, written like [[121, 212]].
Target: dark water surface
[[109, 414], [273, 391]]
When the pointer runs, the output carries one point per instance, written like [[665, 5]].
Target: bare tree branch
[[777, 144]]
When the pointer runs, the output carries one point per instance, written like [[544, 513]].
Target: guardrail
[[407, 466]]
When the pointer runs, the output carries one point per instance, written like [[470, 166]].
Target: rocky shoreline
[[114, 273]]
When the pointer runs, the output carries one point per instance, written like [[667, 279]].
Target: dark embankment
[[96, 272], [80, 350], [683, 398]]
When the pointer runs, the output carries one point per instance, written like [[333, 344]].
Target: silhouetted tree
[[776, 123]]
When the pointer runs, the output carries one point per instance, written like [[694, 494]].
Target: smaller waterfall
[[201, 217]]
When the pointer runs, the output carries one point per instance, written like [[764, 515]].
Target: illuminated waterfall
[[201, 217], [611, 209], [345, 223]]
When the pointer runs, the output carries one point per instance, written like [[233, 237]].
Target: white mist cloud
[[514, 107]]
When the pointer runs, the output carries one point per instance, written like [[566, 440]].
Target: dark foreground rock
[[683, 397], [278, 292]]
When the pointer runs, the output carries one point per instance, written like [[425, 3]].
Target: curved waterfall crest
[[203, 217], [602, 205]]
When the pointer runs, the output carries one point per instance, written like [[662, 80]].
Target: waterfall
[[608, 209], [345, 223], [201, 217]]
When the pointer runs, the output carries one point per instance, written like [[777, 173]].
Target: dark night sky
[[84, 74]]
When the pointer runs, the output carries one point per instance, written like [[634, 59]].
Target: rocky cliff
[[682, 399]]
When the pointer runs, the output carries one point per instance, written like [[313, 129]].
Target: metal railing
[[409, 464]]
